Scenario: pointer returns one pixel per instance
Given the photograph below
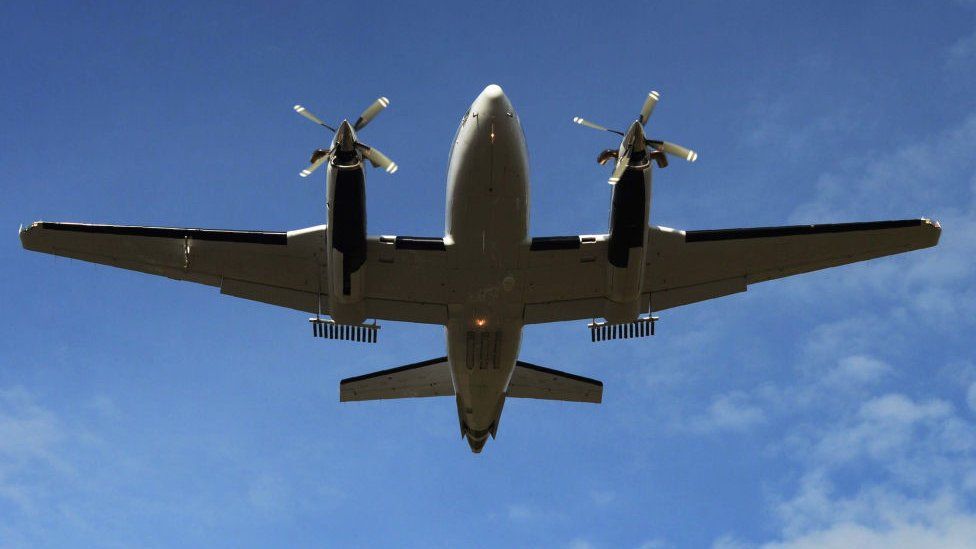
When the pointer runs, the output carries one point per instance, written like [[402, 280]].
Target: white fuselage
[[486, 228]]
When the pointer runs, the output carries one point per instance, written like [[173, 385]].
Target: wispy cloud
[[30, 436], [934, 523], [857, 370], [962, 54], [882, 464], [734, 411]]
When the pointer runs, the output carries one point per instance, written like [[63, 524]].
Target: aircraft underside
[[486, 277]]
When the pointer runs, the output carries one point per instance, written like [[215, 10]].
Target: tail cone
[[476, 444]]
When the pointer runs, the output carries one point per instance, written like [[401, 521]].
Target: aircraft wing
[[566, 276], [687, 267], [281, 268]]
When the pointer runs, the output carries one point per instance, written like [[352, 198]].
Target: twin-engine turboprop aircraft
[[486, 277]]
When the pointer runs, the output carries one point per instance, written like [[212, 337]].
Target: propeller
[[308, 114], [346, 140], [672, 149], [648, 107], [581, 121], [370, 113], [318, 158], [636, 134], [378, 159]]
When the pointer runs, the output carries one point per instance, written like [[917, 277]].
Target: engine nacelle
[[346, 243], [626, 248]]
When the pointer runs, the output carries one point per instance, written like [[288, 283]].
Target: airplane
[[485, 278]]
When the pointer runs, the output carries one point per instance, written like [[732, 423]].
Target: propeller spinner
[[635, 138], [345, 140]]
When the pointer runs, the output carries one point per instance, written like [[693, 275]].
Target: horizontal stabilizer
[[423, 379], [531, 381]]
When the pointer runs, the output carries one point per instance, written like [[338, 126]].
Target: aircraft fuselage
[[487, 227]]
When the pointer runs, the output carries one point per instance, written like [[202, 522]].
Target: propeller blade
[[315, 165], [370, 113], [588, 124], [378, 159], [674, 150], [305, 112], [648, 107]]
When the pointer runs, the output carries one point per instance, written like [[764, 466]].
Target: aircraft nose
[[492, 101]]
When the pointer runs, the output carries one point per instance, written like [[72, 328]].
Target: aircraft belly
[[482, 361]]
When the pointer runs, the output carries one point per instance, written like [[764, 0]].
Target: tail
[[433, 378]]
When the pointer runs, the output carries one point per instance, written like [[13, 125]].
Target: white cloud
[[919, 455], [879, 519], [735, 411], [104, 406], [522, 512], [857, 369], [654, 544], [880, 462], [29, 440], [896, 409], [27, 431], [730, 542], [893, 178], [962, 54], [269, 493], [602, 498]]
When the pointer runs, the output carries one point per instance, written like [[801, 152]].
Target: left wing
[[404, 274], [281, 268]]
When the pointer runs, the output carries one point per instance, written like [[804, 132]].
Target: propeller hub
[[345, 138], [635, 134]]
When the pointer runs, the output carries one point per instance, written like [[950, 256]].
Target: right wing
[[687, 267], [566, 277]]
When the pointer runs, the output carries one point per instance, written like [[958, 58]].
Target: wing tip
[[935, 228], [25, 234]]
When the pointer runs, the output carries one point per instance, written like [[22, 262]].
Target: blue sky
[[833, 409]]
